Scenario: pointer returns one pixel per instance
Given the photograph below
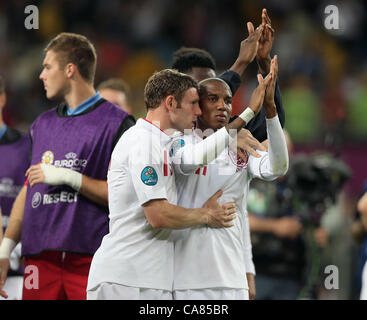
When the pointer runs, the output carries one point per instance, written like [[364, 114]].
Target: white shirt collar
[[154, 128]]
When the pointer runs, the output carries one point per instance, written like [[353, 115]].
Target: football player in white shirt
[[212, 263], [135, 259]]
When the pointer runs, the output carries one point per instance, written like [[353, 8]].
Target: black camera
[[315, 181]]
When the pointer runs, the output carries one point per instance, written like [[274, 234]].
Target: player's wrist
[[6, 247], [270, 110], [247, 115], [270, 104], [59, 176], [240, 65], [204, 215], [264, 64], [73, 179]]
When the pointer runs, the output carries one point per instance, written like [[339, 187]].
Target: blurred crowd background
[[322, 74]]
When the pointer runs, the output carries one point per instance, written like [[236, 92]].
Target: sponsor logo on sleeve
[[175, 146], [149, 176]]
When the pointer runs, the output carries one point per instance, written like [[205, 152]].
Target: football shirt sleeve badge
[[149, 176], [175, 146]]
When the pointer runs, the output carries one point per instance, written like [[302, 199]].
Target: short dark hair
[[164, 83], [203, 83], [184, 59], [2, 85], [115, 84], [77, 49]]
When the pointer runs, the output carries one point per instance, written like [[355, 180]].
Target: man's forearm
[[165, 215], [277, 147], [239, 66], [95, 190], [261, 225], [270, 111], [182, 218], [14, 228]]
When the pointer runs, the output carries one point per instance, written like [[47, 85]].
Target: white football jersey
[[133, 253], [215, 257]]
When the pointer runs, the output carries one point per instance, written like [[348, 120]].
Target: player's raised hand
[[219, 215], [265, 43], [250, 45], [269, 102], [258, 95], [246, 144], [248, 48], [256, 101]]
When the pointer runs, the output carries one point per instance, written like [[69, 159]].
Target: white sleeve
[[273, 163], [185, 141], [190, 157], [146, 163], [249, 263]]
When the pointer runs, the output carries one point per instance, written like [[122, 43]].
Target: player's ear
[[70, 70], [170, 102]]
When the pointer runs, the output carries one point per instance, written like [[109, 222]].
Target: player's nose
[[221, 105], [198, 110]]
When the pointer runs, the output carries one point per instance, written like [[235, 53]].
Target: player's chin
[[53, 96], [50, 95], [218, 124]]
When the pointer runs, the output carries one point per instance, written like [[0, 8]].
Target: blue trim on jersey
[[2, 130], [84, 105]]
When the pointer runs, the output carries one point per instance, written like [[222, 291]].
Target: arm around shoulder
[[161, 214]]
